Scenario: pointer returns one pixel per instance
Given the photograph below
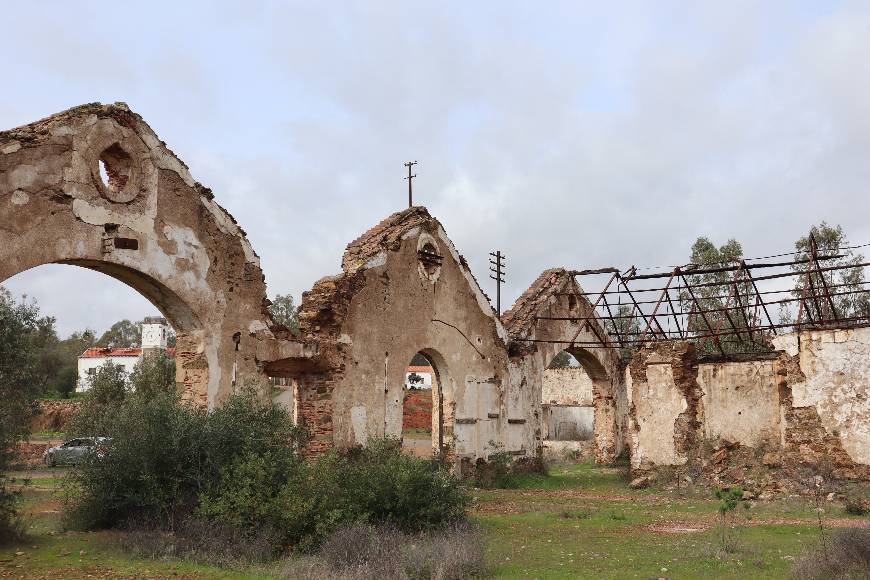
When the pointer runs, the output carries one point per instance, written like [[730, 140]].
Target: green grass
[[49, 549], [417, 433], [581, 521]]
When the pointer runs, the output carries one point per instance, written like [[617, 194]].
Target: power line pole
[[496, 266], [410, 178]]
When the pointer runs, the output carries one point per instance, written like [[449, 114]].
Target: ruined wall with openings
[[361, 328], [833, 387], [800, 408], [535, 341], [149, 225]]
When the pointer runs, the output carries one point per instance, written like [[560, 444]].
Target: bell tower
[[155, 333]]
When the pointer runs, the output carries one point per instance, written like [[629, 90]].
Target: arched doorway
[[428, 408], [572, 382]]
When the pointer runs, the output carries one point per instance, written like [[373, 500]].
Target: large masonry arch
[[95, 187], [535, 342]]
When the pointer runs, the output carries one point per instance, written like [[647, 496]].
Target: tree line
[[54, 368]]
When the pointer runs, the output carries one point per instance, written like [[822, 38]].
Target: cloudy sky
[[561, 133]]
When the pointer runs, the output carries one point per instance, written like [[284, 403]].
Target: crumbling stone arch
[[536, 341], [147, 224]]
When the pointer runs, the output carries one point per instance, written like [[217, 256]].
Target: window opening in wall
[[116, 168]]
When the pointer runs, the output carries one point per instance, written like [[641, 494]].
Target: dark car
[[72, 452]]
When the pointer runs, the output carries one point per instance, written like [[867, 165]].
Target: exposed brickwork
[[417, 409], [520, 320], [807, 442], [315, 409], [808, 448], [383, 237]]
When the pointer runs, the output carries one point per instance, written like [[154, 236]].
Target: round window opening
[[430, 260], [116, 171]]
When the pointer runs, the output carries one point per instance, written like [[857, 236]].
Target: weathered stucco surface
[[836, 367], [808, 403], [150, 226], [662, 418], [566, 386], [741, 402]]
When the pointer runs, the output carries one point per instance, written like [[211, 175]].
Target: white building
[[418, 377], [155, 337]]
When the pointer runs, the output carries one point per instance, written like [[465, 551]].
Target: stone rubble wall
[[805, 405]]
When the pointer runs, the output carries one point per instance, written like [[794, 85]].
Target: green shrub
[[154, 374], [12, 526], [375, 485], [391, 488], [846, 555], [21, 330], [170, 465], [162, 453], [856, 502], [502, 469]]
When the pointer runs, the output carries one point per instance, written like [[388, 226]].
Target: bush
[[845, 555], [169, 465], [154, 374], [857, 502], [388, 487], [502, 469], [365, 551], [198, 540], [12, 528], [162, 454], [21, 332], [304, 502]]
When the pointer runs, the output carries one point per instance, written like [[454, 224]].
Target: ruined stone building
[[403, 289]]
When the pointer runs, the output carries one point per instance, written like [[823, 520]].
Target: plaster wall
[[569, 423], [809, 402], [837, 383], [741, 402], [566, 386], [657, 404], [87, 366]]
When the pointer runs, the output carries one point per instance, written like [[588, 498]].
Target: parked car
[[72, 452]]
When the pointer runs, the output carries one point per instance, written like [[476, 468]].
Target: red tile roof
[[97, 352], [421, 369]]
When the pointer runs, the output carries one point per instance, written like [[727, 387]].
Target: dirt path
[[36, 474]]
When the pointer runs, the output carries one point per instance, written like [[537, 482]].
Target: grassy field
[[580, 522], [417, 433]]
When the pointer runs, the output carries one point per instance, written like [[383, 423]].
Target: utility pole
[[496, 266], [410, 178]]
